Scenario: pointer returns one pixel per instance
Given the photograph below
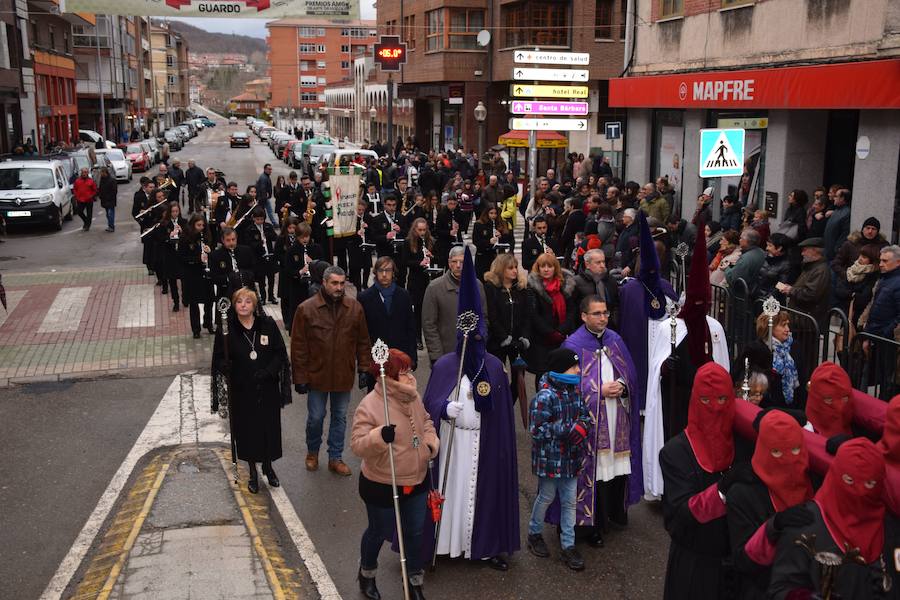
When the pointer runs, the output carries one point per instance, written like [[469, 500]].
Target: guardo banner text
[[263, 9]]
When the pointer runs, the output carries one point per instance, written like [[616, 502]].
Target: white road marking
[[138, 306], [182, 417], [273, 310], [12, 301], [66, 311]]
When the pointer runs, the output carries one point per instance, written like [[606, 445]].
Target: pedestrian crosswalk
[[66, 311], [12, 301], [136, 308]]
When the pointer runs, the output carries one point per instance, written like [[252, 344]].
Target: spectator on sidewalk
[[85, 191], [108, 191], [731, 214], [777, 267], [751, 261], [727, 256], [838, 227], [849, 250], [329, 325], [809, 293], [653, 203]]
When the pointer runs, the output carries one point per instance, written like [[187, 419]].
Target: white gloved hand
[[506, 342], [454, 409]]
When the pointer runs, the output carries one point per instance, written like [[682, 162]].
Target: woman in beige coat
[[415, 443]]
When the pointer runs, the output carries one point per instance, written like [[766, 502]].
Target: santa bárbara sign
[[263, 9]]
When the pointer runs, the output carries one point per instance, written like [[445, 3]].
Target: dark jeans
[[111, 217], [85, 211], [261, 280], [382, 525]]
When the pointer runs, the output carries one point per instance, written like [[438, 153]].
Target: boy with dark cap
[[560, 422]]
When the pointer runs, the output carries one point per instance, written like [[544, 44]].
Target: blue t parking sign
[[721, 152]]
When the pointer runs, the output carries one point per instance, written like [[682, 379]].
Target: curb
[[133, 373]]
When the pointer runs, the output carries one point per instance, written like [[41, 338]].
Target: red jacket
[[85, 190]]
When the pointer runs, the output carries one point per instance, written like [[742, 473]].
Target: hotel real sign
[[263, 9]]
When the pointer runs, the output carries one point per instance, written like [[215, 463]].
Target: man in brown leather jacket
[[329, 344]]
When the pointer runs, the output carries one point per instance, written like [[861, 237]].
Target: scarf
[[783, 363], [553, 288], [565, 378], [857, 272], [387, 295]]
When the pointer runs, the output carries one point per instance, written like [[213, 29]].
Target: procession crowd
[[635, 396]]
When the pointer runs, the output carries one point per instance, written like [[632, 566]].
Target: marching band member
[[196, 285], [536, 243], [282, 245], [298, 258], [417, 257], [359, 248], [231, 265], [447, 229], [387, 233], [490, 237], [260, 236], [143, 201], [168, 237]]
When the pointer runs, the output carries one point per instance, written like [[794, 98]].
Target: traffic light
[[390, 53]]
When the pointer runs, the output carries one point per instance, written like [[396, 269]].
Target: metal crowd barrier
[[872, 365], [806, 347], [836, 340]]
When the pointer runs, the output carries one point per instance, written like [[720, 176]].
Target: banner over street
[[262, 9]]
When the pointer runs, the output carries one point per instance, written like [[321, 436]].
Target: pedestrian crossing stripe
[[721, 152]]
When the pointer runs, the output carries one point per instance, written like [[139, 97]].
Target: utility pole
[[390, 114], [100, 78]]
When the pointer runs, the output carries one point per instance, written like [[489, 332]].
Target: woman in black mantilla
[[260, 379]]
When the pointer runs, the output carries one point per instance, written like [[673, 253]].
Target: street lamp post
[[372, 114], [480, 116]]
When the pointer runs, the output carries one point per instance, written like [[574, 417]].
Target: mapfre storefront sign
[[263, 9], [872, 84]]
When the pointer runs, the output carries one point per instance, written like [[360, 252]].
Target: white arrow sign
[[527, 73], [551, 58], [548, 124]]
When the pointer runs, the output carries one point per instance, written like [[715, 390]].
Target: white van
[[35, 191]]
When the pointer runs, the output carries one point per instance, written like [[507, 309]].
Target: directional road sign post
[[548, 124], [721, 152], [563, 92], [574, 59], [529, 74], [549, 107]]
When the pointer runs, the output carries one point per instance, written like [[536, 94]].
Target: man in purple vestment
[[481, 511], [613, 450]]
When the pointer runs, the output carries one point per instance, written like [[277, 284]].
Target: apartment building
[[10, 78], [448, 72], [813, 84], [170, 99], [308, 55]]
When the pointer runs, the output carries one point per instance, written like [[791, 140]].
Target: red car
[[140, 160], [288, 150]]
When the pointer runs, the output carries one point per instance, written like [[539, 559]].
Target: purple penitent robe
[[496, 524]]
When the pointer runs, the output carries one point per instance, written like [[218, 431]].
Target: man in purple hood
[[481, 511]]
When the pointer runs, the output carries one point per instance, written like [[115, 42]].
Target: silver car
[[120, 164]]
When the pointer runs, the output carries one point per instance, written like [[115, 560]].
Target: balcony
[[91, 87]]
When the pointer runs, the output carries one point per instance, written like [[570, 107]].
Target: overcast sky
[[257, 27]]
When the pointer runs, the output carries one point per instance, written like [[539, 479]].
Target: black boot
[[415, 589], [253, 483], [175, 307], [271, 477], [367, 587]]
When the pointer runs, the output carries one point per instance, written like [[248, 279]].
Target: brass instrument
[[168, 183], [285, 212], [310, 211], [233, 221], [212, 202]]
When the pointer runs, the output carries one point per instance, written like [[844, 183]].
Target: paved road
[[64, 440]]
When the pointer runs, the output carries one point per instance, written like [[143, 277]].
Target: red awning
[[545, 139], [872, 84]]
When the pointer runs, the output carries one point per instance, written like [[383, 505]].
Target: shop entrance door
[[840, 147]]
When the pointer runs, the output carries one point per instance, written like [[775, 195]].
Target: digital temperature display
[[390, 53]]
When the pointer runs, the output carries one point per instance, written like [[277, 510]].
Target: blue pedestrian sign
[[721, 152], [613, 129]]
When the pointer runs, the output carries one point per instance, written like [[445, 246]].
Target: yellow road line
[[132, 536], [271, 575]]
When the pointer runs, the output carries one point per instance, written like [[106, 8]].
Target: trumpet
[[168, 183]]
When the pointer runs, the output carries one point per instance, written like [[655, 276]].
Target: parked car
[[175, 141], [190, 126], [34, 191], [279, 141], [344, 156], [90, 136], [315, 153], [185, 131], [207, 122], [286, 154], [198, 123], [265, 132], [137, 153], [153, 150], [232, 120], [121, 166], [240, 138]]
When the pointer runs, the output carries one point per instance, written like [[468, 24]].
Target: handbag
[[788, 228]]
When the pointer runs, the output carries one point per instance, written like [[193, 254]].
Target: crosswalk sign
[[721, 152]]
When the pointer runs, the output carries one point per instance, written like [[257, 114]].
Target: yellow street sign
[[520, 90]]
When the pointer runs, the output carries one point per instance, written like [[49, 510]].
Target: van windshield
[[26, 179]]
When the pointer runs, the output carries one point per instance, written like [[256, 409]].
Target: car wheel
[[58, 222], [129, 177], [71, 214]]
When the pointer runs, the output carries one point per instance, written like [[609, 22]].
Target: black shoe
[[158, 283], [175, 308], [196, 335], [572, 558], [165, 291], [419, 345], [262, 301], [210, 328], [271, 477], [415, 592], [253, 483], [367, 587], [595, 540], [537, 545], [498, 563], [273, 300]]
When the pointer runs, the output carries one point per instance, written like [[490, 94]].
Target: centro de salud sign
[[263, 9]]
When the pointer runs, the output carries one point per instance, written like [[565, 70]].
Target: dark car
[[239, 138]]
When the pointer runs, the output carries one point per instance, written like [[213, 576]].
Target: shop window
[[535, 23], [603, 20], [671, 8]]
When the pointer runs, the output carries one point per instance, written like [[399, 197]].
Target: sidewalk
[[186, 531]]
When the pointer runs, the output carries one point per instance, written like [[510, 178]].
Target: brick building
[[814, 85], [10, 78], [447, 72], [307, 55]]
